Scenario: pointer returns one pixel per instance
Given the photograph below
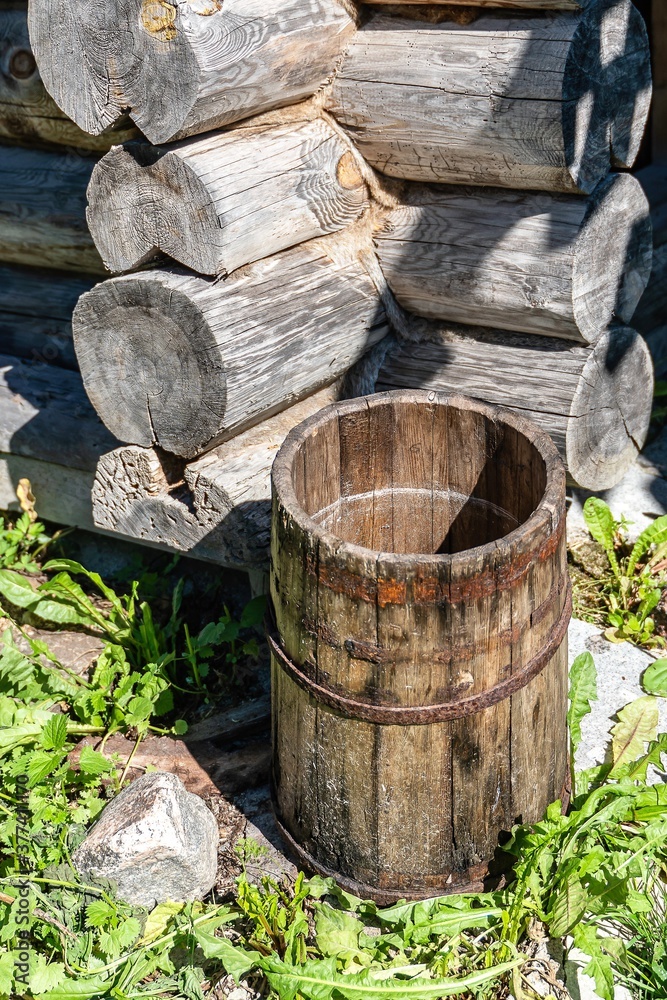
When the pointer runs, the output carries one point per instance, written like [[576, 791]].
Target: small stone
[[156, 840]]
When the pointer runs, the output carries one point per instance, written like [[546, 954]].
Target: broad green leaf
[[599, 967], [59, 612], [655, 534], [7, 969], [78, 989], [41, 763], [236, 961], [654, 679], [99, 912], [602, 526], [337, 933], [319, 980], [54, 734], [138, 711], [568, 908], [637, 725], [583, 690], [45, 976], [17, 589], [253, 613], [70, 566], [158, 919], [92, 762]]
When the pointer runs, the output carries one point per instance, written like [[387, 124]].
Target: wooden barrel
[[419, 658]]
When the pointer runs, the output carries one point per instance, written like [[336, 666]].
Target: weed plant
[[594, 876], [624, 593]]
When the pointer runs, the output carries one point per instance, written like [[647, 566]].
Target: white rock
[[156, 840]]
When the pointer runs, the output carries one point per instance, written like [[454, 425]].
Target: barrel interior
[[413, 478]]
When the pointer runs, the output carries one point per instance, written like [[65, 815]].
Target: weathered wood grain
[[431, 616], [545, 102], [223, 200], [43, 210], [535, 263], [184, 363], [62, 494], [595, 402], [36, 308], [217, 508], [185, 67], [28, 115], [45, 415]]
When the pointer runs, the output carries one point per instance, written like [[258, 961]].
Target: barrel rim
[[545, 519]]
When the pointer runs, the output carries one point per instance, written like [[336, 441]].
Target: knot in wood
[[159, 19], [22, 64], [348, 174]]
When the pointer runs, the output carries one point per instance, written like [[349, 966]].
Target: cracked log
[[43, 210], [594, 401], [543, 102], [223, 200], [534, 263], [28, 115], [185, 66], [184, 363], [216, 508], [36, 309]]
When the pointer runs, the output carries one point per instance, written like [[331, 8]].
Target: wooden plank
[[521, 102], [226, 199], [186, 68]]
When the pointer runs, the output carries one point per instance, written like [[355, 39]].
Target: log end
[[611, 410], [613, 256], [606, 91], [149, 363], [143, 201], [120, 53]]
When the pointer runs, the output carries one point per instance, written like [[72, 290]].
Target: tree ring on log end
[[606, 91], [610, 411], [118, 65], [152, 202], [146, 340], [610, 274]]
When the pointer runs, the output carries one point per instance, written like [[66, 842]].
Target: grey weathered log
[[43, 210], [217, 202], [545, 102], [28, 115], [45, 415], [62, 494], [217, 508], [184, 362], [535, 263], [184, 67], [594, 401], [651, 314], [36, 308]]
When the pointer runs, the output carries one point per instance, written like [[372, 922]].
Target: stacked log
[[543, 102], [322, 187]]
